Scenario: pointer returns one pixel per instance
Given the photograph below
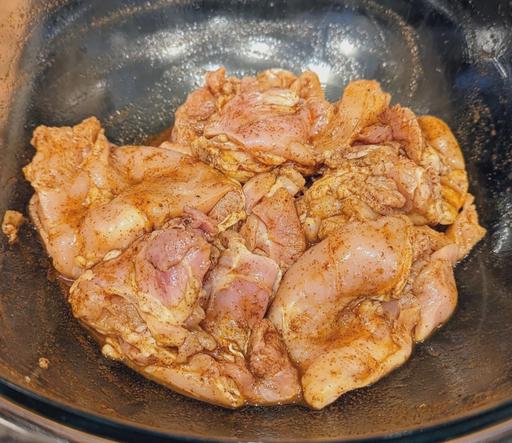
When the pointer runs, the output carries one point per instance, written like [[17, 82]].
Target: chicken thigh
[[352, 306], [150, 308], [386, 162], [277, 249], [255, 124], [273, 227], [362, 103], [93, 199]]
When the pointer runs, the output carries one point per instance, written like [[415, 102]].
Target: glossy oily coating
[[247, 126], [148, 307], [352, 306], [186, 305]]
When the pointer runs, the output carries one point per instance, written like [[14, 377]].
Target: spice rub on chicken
[[277, 249]]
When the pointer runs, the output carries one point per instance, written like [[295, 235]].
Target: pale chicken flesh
[[151, 307], [94, 199], [384, 160], [254, 124], [277, 249]]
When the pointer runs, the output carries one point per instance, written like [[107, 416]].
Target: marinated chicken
[[244, 127], [277, 249], [273, 227], [396, 163], [351, 307], [93, 199], [205, 337], [11, 224]]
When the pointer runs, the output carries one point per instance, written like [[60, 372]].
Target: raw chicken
[[11, 224], [429, 142], [372, 339], [453, 176], [147, 305], [258, 124], [210, 288], [334, 272], [319, 305], [361, 105], [374, 180], [352, 306], [273, 227], [399, 164], [465, 231], [93, 199], [240, 289], [201, 104], [432, 280]]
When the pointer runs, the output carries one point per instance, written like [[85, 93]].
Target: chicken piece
[[429, 142], [371, 340], [432, 280], [361, 258], [240, 288], [147, 306], [406, 130], [259, 123], [273, 227], [373, 180], [11, 224], [92, 199], [69, 172], [160, 275], [362, 103], [269, 127], [268, 376], [149, 204], [322, 329], [201, 104], [453, 177], [267, 183], [417, 170], [466, 231]]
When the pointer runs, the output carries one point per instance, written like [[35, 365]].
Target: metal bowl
[[131, 63]]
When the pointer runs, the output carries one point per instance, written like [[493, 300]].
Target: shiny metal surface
[[18, 425], [131, 63]]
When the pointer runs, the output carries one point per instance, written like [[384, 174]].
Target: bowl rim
[[485, 422]]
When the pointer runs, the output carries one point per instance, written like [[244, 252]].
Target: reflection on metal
[[323, 70], [346, 47]]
